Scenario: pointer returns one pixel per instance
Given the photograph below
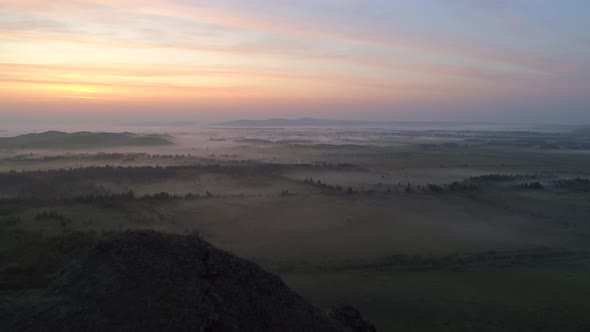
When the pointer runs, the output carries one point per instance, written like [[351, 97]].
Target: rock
[[351, 317], [148, 281]]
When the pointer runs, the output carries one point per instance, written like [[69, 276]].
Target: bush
[[435, 188]]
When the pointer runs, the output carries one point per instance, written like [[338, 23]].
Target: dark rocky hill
[[148, 281]]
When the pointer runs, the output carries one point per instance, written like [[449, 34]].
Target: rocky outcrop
[[148, 281]]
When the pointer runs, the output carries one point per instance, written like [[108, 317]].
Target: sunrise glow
[[398, 59]]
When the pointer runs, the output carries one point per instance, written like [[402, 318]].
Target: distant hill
[[582, 132], [147, 281], [313, 122], [304, 122], [162, 124], [62, 140]]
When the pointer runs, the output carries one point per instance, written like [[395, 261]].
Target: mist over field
[[483, 224], [325, 165]]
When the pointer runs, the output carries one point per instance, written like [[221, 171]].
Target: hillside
[[148, 281], [62, 140]]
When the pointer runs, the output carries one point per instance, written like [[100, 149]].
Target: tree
[[435, 188], [408, 188]]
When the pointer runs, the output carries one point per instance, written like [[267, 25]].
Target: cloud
[[348, 49], [225, 20]]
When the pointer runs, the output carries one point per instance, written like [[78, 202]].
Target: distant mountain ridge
[[83, 139], [313, 122], [582, 131], [295, 122]]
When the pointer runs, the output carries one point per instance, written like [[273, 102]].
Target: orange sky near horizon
[[118, 56]]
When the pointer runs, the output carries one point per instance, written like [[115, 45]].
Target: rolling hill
[[63, 140], [313, 122]]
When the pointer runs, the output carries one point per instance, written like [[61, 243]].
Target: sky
[[419, 60]]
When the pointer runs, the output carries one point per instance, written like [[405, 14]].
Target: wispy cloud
[[382, 50], [224, 19]]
